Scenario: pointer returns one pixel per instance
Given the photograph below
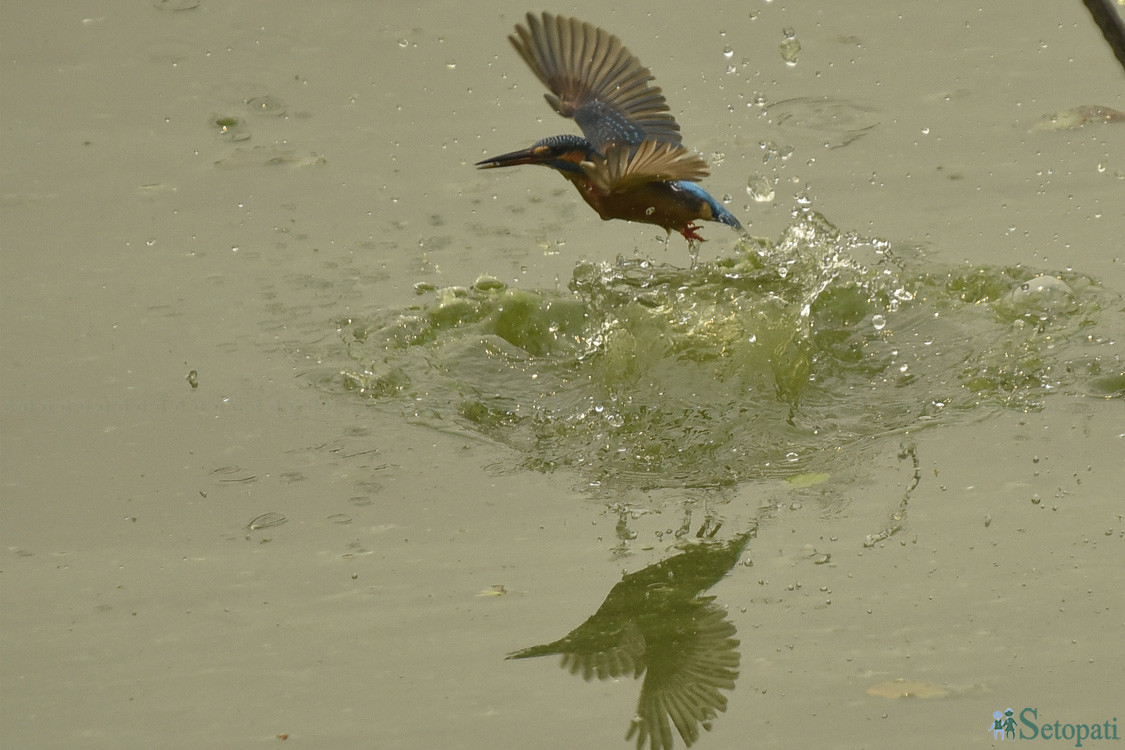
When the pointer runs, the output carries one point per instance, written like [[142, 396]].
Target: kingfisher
[[630, 162]]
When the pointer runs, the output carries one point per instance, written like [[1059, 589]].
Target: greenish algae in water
[[765, 363]]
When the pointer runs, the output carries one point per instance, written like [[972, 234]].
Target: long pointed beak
[[535, 155]]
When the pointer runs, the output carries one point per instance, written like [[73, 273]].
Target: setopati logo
[[1004, 727]]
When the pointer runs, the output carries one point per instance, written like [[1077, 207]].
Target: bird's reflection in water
[[658, 623]]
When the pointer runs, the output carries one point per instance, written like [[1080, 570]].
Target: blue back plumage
[[719, 213]]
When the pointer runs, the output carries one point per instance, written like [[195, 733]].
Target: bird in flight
[[630, 162]]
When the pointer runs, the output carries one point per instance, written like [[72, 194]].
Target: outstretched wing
[[626, 168], [687, 675], [595, 80]]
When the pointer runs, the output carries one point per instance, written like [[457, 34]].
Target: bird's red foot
[[690, 232]]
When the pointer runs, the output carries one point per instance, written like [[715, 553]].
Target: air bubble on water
[[879, 322], [266, 105]]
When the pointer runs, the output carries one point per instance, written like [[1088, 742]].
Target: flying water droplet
[[760, 189], [790, 47]]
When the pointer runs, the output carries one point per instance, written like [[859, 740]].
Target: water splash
[[765, 363]]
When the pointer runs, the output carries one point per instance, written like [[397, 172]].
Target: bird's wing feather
[[625, 169], [596, 80]]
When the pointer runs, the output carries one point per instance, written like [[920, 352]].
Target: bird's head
[[562, 152]]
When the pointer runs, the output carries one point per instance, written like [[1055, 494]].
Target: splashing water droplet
[[790, 47], [760, 189]]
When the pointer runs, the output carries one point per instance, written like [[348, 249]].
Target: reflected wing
[[686, 679], [626, 169], [624, 658], [595, 80], [597, 649]]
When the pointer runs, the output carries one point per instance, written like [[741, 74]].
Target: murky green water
[[765, 363]]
